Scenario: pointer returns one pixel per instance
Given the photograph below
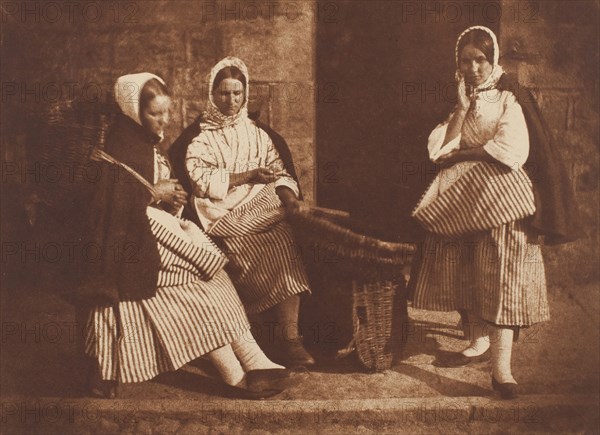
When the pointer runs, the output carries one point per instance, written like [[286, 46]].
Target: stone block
[[193, 82], [45, 53], [293, 109], [586, 176], [148, 49], [253, 11], [260, 101], [303, 154], [554, 106], [555, 60], [90, 49], [94, 84], [176, 79], [175, 126], [275, 50], [180, 13], [201, 47], [191, 110]]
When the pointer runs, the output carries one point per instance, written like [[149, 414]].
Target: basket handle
[[100, 155]]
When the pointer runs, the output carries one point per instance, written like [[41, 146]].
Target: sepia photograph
[[299, 217]]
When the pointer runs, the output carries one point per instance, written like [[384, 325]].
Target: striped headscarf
[[212, 118]]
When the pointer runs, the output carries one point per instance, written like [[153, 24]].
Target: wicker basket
[[72, 131], [371, 270], [377, 317], [329, 233]]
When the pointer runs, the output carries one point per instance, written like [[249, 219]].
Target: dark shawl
[[128, 262], [556, 215], [178, 151]]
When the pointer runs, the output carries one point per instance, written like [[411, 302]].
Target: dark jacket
[[125, 261], [556, 215]]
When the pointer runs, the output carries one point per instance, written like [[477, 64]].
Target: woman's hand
[[171, 192], [464, 100], [464, 155], [289, 200], [449, 159], [256, 176], [266, 176], [240, 179]]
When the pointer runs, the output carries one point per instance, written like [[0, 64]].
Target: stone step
[[531, 414]]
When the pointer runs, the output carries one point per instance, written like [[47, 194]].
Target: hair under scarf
[[497, 70], [212, 118], [127, 93]]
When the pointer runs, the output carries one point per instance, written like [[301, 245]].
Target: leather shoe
[[99, 387], [507, 390], [293, 354], [271, 379], [459, 359]]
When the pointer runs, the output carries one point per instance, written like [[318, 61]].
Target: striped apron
[[195, 310], [264, 261], [479, 254]]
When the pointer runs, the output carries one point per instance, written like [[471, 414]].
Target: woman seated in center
[[241, 192]]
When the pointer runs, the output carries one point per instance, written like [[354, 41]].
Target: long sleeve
[[510, 144], [274, 162], [436, 140], [209, 179]]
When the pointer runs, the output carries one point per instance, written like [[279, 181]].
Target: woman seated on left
[[157, 295]]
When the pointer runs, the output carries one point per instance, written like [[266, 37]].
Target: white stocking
[[480, 341], [501, 343], [228, 365], [251, 355]]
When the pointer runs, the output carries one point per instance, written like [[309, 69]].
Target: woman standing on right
[[485, 215]]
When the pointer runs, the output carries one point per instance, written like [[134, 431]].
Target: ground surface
[[556, 365]]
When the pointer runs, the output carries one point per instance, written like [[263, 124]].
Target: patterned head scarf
[[497, 70], [212, 118], [127, 93]]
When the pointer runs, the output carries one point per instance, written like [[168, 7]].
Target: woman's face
[[229, 96], [155, 116], [474, 66]]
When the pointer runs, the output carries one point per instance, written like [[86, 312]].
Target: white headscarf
[[127, 93], [497, 70], [212, 118]]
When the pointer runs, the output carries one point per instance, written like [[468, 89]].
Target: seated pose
[[239, 183], [485, 213], [157, 293]]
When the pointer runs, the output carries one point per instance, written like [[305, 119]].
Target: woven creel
[[371, 270], [377, 331], [330, 231], [72, 131]]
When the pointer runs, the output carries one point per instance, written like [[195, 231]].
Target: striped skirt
[[498, 275], [479, 254], [264, 261], [195, 310]]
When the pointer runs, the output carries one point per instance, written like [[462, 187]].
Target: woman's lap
[[264, 260], [160, 334]]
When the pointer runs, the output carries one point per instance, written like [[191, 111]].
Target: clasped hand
[[464, 99], [171, 192], [450, 158]]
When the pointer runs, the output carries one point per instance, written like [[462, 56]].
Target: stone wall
[[552, 47], [56, 50]]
